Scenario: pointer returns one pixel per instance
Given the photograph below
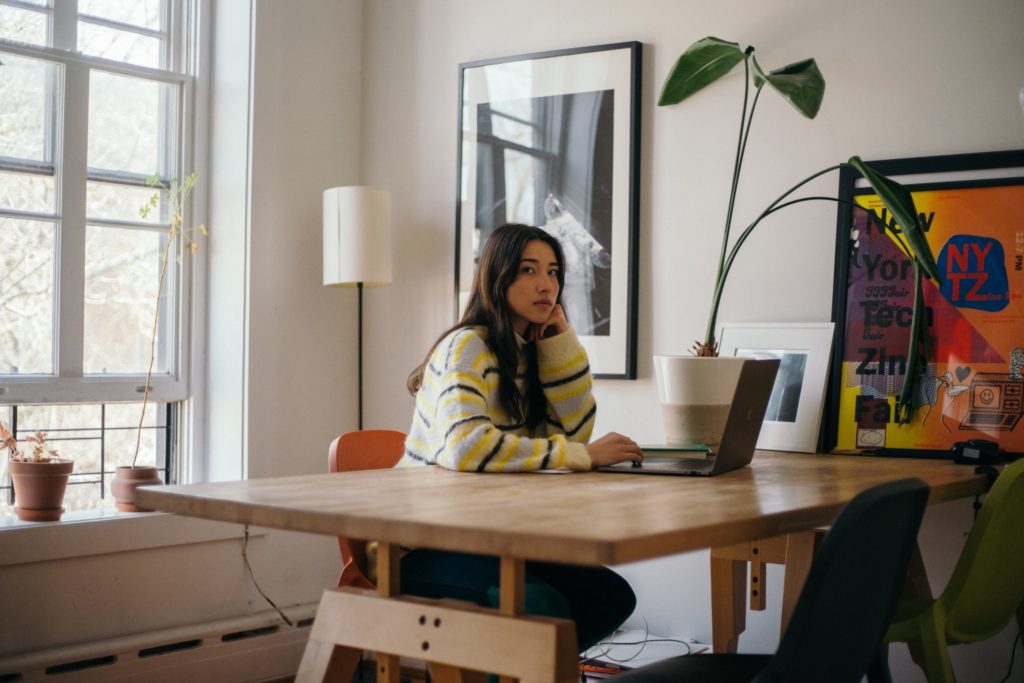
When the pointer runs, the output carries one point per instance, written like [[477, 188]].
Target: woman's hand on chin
[[555, 324]]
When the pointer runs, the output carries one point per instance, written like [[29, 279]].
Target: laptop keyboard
[[685, 464]]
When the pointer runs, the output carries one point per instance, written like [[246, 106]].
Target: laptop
[[742, 427]]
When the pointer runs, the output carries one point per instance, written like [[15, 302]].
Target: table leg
[[728, 602], [388, 585], [442, 673], [458, 639], [513, 591], [323, 661]]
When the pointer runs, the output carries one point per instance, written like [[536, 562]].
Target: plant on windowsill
[[803, 86], [40, 477], [130, 477]]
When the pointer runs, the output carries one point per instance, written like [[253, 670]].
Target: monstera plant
[[802, 85]]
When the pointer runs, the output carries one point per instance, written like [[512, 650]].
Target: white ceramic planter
[[695, 395]]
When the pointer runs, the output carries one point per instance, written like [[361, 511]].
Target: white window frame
[[68, 384]]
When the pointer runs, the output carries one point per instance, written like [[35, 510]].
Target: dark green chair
[[844, 609]]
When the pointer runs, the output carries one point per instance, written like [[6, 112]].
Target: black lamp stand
[[359, 286]]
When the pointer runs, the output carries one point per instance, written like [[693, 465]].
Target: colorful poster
[[974, 386]]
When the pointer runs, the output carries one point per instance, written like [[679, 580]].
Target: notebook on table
[[742, 427]]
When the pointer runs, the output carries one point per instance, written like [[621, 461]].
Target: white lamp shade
[[357, 237]]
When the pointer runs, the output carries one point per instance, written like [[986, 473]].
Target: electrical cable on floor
[[245, 556], [607, 645], [1013, 653]]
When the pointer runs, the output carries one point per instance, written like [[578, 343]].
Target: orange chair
[[368, 449]]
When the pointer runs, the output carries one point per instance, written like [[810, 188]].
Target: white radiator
[[260, 647]]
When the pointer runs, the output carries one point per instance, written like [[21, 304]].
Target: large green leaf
[[900, 203], [703, 63], [801, 83]]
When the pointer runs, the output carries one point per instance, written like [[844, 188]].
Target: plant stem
[[905, 404], [171, 234], [737, 165], [723, 274]]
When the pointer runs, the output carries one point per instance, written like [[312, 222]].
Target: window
[[95, 98]]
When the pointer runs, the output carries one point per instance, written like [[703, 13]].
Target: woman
[[508, 389]]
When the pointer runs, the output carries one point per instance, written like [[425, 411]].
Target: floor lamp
[[357, 247]]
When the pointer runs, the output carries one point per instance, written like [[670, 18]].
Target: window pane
[[519, 186], [98, 438], [122, 269], [27, 192], [122, 46], [509, 127], [145, 13], [120, 202], [122, 420], [26, 296], [128, 121], [6, 415], [23, 25], [26, 115]]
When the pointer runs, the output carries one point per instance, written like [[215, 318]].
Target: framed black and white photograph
[[552, 139], [793, 419]]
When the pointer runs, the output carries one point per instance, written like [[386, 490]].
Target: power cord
[[1013, 653], [604, 654], [992, 473], [245, 557]]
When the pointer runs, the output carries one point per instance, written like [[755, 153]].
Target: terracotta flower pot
[[39, 488], [126, 480]]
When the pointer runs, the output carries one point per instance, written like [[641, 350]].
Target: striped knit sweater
[[459, 423]]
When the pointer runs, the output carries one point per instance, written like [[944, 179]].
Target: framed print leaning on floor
[[971, 210], [793, 419], [552, 139]]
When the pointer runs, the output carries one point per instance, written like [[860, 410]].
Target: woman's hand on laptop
[[614, 448]]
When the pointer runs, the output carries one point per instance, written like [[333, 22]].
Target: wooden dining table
[[581, 518]]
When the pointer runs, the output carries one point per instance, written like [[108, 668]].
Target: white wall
[[906, 78], [347, 91]]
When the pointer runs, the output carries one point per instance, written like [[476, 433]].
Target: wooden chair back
[[367, 449]]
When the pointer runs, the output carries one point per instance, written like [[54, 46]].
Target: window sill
[[99, 532]]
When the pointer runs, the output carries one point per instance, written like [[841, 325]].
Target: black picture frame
[[972, 208], [553, 139]]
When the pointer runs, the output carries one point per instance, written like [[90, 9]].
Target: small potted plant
[[40, 477], [129, 477], [682, 380]]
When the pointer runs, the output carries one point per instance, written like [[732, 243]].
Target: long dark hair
[[488, 306]]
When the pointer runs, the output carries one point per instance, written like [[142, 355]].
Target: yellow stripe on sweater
[[471, 455], [482, 360], [559, 449], [537, 456], [460, 347], [578, 359], [459, 377], [555, 397], [502, 462], [573, 417], [461, 397]]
